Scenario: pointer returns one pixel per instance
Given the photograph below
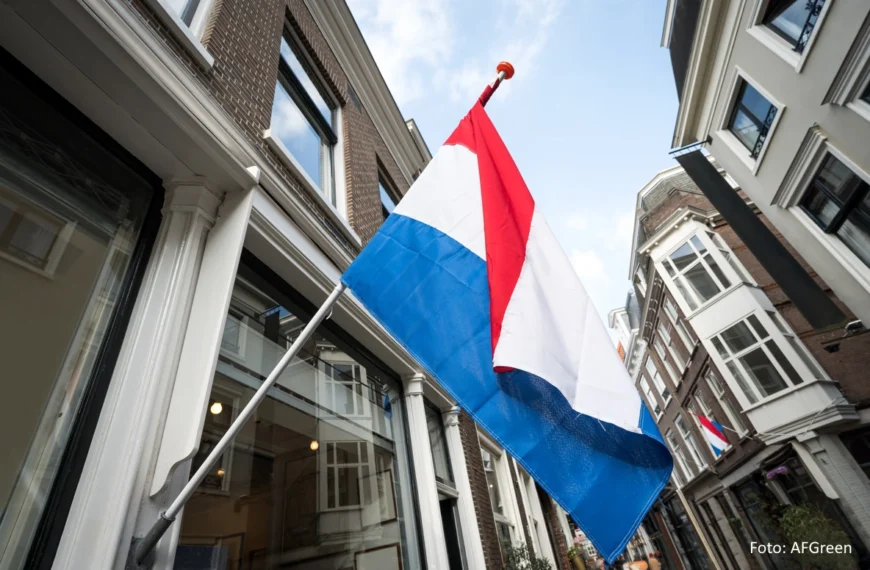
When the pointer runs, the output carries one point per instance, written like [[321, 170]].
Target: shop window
[[74, 220], [696, 273], [718, 390], [653, 373], [320, 476], [755, 359], [793, 20], [688, 537], [438, 441], [838, 201], [303, 117]]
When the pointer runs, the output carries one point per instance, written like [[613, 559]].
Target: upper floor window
[[732, 260], [346, 390], [493, 468], [755, 359], [651, 400], [438, 441], [657, 380], [793, 20], [838, 200], [388, 204], [696, 455], [679, 324], [696, 273], [718, 390], [641, 281], [303, 118], [682, 472], [673, 351], [751, 118], [700, 406]]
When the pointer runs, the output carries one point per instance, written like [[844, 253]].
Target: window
[[681, 469], [663, 356], [193, 13], [657, 380], [858, 444], [700, 405], [387, 202], [796, 344], [641, 281], [498, 494], [673, 351], [732, 260], [839, 202], [437, 440], [751, 118], [695, 273], [755, 360], [306, 479], [303, 118], [694, 553], [651, 400], [718, 390], [793, 20], [679, 325], [695, 453]]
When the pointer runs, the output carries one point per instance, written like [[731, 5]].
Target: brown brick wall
[[676, 199], [480, 492], [244, 38], [555, 529]]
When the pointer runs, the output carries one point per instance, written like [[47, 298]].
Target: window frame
[[665, 334], [188, 35], [681, 469], [385, 187], [762, 124], [682, 290], [432, 411], [695, 453], [717, 388], [794, 360], [698, 403], [658, 381], [780, 43], [505, 486], [739, 77], [360, 379], [648, 394], [295, 90], [679, 324]]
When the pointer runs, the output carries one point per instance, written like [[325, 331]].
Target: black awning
[[682, 35]]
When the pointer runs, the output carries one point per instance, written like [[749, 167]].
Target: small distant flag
[[715, 434]]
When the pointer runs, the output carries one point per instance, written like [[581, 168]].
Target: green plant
[[520, 557], [808, 525], [574, 551]]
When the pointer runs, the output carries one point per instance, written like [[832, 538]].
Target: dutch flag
[[467, 275], [715, 434]]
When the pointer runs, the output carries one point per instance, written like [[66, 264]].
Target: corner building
[[182, 183]]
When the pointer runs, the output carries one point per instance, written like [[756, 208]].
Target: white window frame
[[657, 380], [505, 487], [724, 131], [535, 514], [325, 466], [779, 46], [678, 282], [188, 36], [681, 470], [679, 324], [664, 333], [62, 237], [330, 385], [853, 77], [243, 327], [651, 399], [732, 261], [773, 331], [694, 449], [641, 281], [698, 403], [717, 388]]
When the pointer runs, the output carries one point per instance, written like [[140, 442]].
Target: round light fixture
[[314, 445], [216, 408], [221, 472]]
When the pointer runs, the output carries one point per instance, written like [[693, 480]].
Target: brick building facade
[[697, 359], [206, 171]]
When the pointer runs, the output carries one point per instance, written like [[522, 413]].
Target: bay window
[[838, 201], [760, 363], [730, 258], [695, 273], [303, 118]]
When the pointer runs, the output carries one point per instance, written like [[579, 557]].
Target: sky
[[588, 117]]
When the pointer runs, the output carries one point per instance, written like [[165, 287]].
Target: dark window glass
[[687, 535], [438, 442], [839, 202], [794, 20], [751, 118], [858, 444], [387, 202]]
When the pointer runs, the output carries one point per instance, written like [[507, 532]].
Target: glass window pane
[[489, 468], [292, 61], [720, 348], [683, 257], [295, 132], [756, 325], [835, 179], [701, 282], [437, 441], [819, 205], [347, 452], [783, 362], [745, 129], [755, 102], [742, 382], [789, 22], [684, 292], [387, 202], [855, 231], [761, 369], [717, 271], [738, 337], [699, 245]]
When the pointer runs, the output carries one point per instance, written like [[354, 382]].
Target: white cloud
[[405, 39], [589, 266]]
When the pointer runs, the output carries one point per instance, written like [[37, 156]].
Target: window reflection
[[312, 481]]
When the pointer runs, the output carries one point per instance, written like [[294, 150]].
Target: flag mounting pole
[[145, 546], [505, 71]]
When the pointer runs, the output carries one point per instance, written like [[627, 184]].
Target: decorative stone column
[[424, 470], [109, 496], [467, 517]]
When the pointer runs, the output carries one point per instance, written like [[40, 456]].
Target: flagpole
[[167, 517], [143, 548], [505, 71]]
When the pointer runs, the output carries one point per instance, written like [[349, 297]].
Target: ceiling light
[[314, 445], [216, 408]]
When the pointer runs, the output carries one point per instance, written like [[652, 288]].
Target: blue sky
[[588, 117]]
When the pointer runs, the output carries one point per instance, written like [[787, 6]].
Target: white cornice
[[347, 43]]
